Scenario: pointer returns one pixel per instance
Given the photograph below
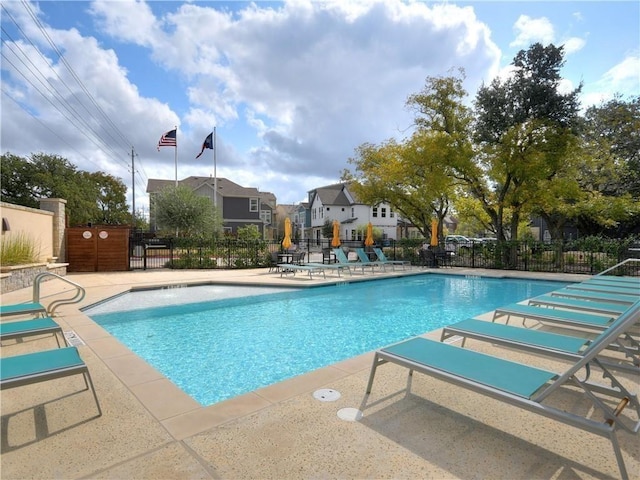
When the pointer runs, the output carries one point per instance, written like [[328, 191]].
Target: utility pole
[[133, 191]]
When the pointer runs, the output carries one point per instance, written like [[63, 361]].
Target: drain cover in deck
[[326, 395]]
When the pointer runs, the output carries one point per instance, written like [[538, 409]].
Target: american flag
[[168, 139]]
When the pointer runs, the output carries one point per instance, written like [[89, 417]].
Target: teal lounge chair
[[382, 258], [364, 259], [554, 315], [33, 308], [524, 386], [342, 259], [616, 283], [39, 367], [309, 269], [336, 267], [621, 280], [588, 295], [615, 290], [579, 304], [27, 328], [537, 341]]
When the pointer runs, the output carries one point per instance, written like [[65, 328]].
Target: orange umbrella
[[434, 233], [335, 241], [286, 242], [368, 241]]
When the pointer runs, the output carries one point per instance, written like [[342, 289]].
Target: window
[[375, 212], [353, 212], [313, 214], [265, 216], [383, 212], [253, 204], [391, 213]]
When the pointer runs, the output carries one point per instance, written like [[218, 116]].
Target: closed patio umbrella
[[335, 241], [368, 241], [434, 233], [286, 242]]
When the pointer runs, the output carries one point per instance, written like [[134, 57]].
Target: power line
[[73, 73]]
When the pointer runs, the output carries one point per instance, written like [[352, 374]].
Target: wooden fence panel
[[97, 249]]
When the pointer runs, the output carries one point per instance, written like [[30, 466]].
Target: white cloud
[[573, 44], [531, 30], [306, 82], [625, 76]]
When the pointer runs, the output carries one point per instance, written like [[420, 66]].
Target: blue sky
[[293, 88]]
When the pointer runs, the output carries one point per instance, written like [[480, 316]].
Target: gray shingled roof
[[226, 187], [334, 194]]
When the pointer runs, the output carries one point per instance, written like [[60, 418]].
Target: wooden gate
[[97, 249]]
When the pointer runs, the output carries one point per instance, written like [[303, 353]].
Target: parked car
[[453, 243]]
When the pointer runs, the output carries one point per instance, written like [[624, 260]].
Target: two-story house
[[240, 206], [337, 202]]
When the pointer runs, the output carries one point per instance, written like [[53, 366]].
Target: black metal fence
[[588, 256]]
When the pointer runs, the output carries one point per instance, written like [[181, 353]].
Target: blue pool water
[[218, 349]]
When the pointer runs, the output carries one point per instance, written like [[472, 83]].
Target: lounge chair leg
[[372, 374], [89, 383], [616, 449]]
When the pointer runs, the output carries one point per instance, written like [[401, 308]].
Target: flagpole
[[176, 156], [215, 174]]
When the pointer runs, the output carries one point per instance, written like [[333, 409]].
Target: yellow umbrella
[[434, 233], [286, 242], [368, 241], [335, 241]]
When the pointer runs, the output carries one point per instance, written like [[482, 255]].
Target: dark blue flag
[[208, 143]]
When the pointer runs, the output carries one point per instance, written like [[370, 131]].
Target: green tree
[[526, 130], [110, 194], [610, 171], [91, 197], [416, 176], [181, 212]]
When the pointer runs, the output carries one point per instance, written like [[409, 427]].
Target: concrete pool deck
[[150, 429]]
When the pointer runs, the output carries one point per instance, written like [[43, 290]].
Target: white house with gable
[[337, 202]]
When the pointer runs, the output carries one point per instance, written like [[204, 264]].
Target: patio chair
[[525, 386], [608, 289], [364, 259], [554, 315], [443, 257], [298, 258], [382, 258], [590, 295], [427, 258], [341, 259], [542, 342], [620, 281], [37, 367], [273, 262], [27, 328], [550, 301], [33, 308]]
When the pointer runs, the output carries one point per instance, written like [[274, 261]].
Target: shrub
[[18, 249]]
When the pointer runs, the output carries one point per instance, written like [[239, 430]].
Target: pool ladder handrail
[[78, 297], [619, 264]]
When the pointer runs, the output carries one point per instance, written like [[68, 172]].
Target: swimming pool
[[218, 349]]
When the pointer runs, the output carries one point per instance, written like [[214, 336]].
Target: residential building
[[337, 202], [240, 206]]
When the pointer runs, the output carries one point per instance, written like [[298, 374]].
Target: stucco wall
[[37, 225]]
